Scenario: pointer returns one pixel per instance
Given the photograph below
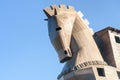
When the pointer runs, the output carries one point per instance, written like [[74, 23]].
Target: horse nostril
[[59, 28], [65, 52]]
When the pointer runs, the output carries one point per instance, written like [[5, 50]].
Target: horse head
[[60, 24], [72, 38]]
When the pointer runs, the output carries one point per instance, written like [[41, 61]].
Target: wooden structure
[[74, 42]]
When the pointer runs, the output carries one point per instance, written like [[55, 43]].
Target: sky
[[25, 49]]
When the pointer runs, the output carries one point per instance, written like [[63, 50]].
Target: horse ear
[[48, 12]]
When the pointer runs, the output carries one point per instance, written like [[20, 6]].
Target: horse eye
[[59, 28]]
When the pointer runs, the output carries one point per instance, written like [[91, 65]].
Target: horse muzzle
[[67, 55]]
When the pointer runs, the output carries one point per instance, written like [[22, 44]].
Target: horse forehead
[[61, 20], [65, 15], [65, 19]]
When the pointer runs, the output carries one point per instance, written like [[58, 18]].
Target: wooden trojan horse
[[73, 40]]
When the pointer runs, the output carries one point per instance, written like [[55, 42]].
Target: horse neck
[[83, 45]]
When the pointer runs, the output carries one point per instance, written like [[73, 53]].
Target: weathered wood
[[73, 40]]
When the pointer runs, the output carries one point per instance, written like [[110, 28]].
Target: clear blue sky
[[25, 49]]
